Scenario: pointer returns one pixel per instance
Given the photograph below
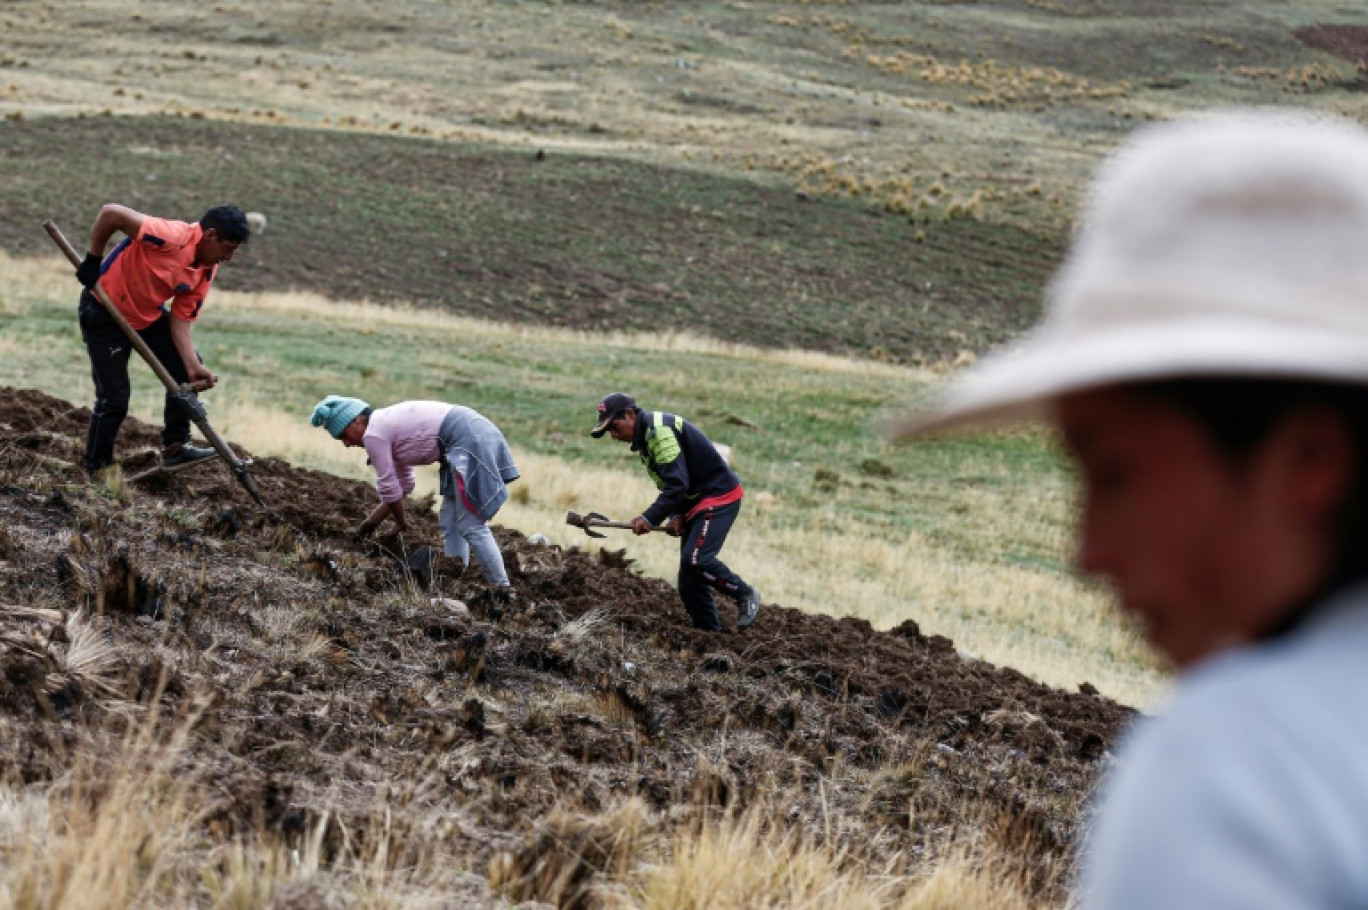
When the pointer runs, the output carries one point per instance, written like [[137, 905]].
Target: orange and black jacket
[[685, 466]]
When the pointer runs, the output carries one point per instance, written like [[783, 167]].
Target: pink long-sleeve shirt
[[400, 437]]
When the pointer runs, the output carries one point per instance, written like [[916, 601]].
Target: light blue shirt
[[1250, 791]]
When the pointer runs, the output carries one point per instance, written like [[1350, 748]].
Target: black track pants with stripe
[[700, 571]]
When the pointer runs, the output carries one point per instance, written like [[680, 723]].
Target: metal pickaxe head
[[587, 523]]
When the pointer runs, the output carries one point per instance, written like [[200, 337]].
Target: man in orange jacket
[[158, 278]]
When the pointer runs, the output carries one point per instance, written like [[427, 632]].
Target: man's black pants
[[109, 348], [700, 571]]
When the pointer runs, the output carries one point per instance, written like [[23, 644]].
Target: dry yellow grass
[[109, 836], [124, 829], [315, 308], [746, 862]]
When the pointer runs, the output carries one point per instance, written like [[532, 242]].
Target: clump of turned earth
[[319, 678]]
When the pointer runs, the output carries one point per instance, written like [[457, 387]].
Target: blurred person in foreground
[[699, 499], [476, 468], [159, 262], [1204, 355]]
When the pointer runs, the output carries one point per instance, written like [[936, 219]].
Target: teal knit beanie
[[336, 413]]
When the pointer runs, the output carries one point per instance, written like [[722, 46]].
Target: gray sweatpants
[[464, 533]]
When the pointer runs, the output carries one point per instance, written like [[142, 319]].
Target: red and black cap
[[609, 409]]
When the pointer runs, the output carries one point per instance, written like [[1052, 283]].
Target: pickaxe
[[587, 523], [185, 395]]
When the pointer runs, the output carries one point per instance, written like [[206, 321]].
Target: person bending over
[[157, 277], [476, 468]]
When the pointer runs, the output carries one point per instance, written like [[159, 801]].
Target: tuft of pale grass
[[743, 862], [125, 828], [316, 645], [244, 877], [107, 838], [567, 860], [963, 881], [748, 861], [584, 625], [112, 483], [89, 655], [374, 316]]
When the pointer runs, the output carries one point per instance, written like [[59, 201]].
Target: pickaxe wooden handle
[[184, 393], [587, 523]]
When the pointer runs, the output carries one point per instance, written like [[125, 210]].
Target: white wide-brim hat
[[1233, 245]]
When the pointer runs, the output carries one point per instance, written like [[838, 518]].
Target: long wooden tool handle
[[599, 523], [196, 410]]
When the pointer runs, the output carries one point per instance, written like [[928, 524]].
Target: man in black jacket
[[699, 499]]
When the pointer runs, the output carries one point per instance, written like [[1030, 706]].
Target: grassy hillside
[[1011, 100], [569, 240], [883, 180], [966, 536]]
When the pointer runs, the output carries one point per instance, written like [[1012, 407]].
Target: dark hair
[[1239, 415], [228, 222]]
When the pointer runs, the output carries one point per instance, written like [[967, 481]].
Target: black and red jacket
[[686, 467]]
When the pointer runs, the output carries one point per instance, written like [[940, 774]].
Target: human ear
[[1313, 452]]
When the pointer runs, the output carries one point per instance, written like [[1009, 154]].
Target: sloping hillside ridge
[[325, 682]]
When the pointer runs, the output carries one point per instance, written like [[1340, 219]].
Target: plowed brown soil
[[1349, 42], [329, 678]]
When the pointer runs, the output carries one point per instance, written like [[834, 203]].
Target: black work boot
[[747, 608]]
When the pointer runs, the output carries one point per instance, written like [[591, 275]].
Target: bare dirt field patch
[[1349, 42]]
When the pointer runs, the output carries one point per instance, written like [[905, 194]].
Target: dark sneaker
[[747, 608], [184, 455]]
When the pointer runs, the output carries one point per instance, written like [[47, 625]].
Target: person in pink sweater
[[476, 468]]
